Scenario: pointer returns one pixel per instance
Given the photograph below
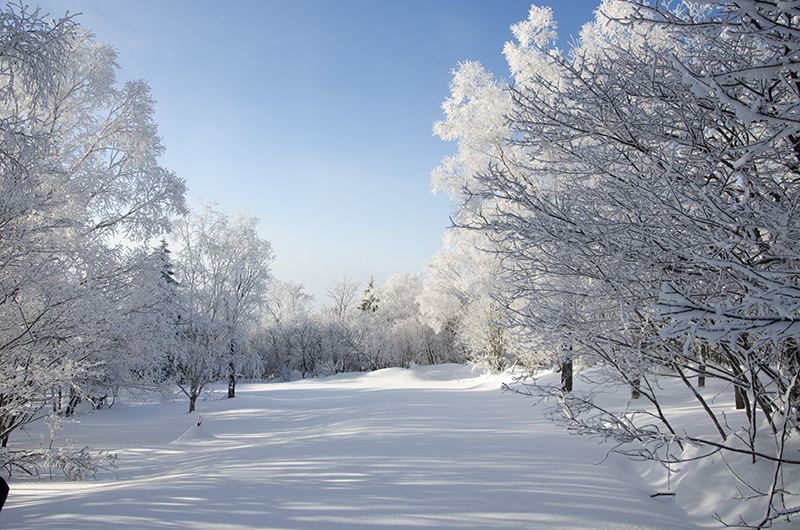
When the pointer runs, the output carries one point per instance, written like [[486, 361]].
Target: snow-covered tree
[[475, 118], [459, 301], [649, 210], [289, 337], [78, 172], [412, 341], [344, 337], [223, 266], [342, 295], [369, 301]]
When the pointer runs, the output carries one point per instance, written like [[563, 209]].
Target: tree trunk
[[4, 439], [192, 401], [6, 426], [231, 384], [701, 370], [231, 380], [739, 387], [566, 376], [72, 404], [635, 388], [232, 373]]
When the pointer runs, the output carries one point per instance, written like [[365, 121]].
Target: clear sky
[[314, 116]]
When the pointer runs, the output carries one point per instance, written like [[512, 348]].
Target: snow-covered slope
[[430, 447]]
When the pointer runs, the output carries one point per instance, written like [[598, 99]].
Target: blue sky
[[314, 116]]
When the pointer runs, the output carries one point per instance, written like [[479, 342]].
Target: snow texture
[[430, 447]]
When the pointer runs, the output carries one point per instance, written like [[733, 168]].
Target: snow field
[[430, 447]]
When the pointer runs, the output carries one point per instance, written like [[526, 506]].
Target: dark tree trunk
[[72, 404], [232, 385], [566, 376], [6, 426], [701, 370], [739, 392], [231, 380], [192, 402]]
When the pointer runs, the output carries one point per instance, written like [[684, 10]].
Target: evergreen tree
[[369, 301], [167, 272]]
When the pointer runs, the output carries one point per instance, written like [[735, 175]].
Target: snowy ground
[[431, 447]]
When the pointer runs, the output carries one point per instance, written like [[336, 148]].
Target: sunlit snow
[[430, 447]]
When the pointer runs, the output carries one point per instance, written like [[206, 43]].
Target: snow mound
[[194, 434], [422, 376], [448, 372], [447, 376]]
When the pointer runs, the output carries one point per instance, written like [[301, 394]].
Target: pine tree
[[167, 272], [369, 302]]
